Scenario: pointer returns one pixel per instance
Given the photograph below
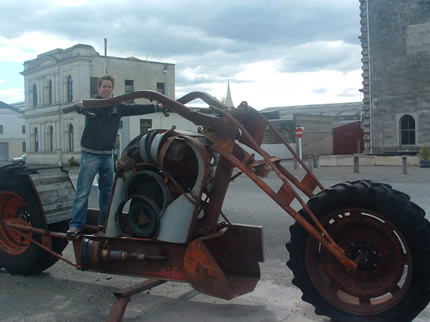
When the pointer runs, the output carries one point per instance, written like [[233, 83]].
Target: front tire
[[18, 204], [385, 233]]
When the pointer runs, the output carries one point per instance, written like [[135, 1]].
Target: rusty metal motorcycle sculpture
[[358, 250]]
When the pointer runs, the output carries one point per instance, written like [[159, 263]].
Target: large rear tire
[[18, 204], [385, 233]]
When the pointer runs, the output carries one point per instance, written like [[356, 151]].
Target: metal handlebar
[[71, 108]]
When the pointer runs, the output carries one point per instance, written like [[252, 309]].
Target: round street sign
[[299, 132]]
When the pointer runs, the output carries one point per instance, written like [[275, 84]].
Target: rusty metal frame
[[224, 129], [19, 228], [227, 130], [47, 236]]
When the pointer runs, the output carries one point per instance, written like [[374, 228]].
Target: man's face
[[105, 90]]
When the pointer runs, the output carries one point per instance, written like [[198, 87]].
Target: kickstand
[[123, 297]]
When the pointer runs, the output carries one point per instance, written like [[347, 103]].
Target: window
[[36, 140], [71, 141], [50, 92], [407, 130], [23, 129], [34, 96], [160, 88], [145, 125], [93, 86], [69, 89], [50, 138], [129, 87], [120, 124], [1, 129], [24, 147]]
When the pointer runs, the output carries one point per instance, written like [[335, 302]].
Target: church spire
[[228, 100]]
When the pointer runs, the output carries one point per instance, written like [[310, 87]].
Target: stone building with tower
[[395, 42]]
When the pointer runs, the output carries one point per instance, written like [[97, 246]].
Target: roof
[[351, 109], [342, 123], [10, 107]]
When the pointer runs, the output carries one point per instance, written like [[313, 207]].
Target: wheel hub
[[365, 254], [374, 244], [13, 209]]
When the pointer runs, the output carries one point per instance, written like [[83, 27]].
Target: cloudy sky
[[274, 53]]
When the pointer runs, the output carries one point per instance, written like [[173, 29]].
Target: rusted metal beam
[[232, 125], [321, 235], [186, 112], [49, 250]]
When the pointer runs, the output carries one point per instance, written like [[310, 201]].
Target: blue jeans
[[90, 165]]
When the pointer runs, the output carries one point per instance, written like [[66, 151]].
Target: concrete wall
[[12, 123], [317, 138], [365, 160]]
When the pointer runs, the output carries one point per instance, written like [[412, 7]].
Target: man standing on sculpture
[[97, 144]]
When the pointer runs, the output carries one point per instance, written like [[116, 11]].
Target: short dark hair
[[105, 77]]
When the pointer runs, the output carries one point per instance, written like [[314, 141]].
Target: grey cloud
[[320, 90], [213, 38], [191, 26], [321, 55]]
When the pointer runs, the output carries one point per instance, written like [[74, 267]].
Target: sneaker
[[73, 231]]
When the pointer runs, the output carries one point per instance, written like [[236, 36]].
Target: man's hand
[[80, 104]]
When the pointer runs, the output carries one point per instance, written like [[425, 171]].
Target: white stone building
[[59, 77]]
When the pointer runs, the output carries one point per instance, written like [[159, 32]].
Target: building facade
[[319, 122], [57, 78], [395, 41], [12, 131]]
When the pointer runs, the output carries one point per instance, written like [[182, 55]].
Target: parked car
[[20, 160]]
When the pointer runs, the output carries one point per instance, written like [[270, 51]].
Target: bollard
[[356, 164], [59, 157], [316, 161], [311, 163], [295, 164], [404, 165]]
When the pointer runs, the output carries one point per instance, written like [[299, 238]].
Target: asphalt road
[[63, 293]]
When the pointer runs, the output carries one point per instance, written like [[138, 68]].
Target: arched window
[[51, 138], [50, 92], [71, 141], [34, 96], [69, 89], [36, 140], [407, 130]]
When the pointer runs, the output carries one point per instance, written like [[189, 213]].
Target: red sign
[[299, 132]]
